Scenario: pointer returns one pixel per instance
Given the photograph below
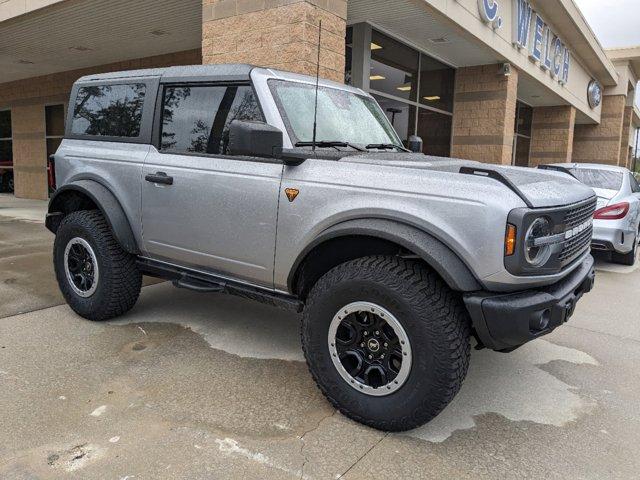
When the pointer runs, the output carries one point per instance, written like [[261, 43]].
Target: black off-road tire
[[119, 282], [433, 317]]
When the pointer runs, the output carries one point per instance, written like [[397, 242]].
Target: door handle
[[159, 177]]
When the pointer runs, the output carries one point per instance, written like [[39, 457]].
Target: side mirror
[[254, 139]]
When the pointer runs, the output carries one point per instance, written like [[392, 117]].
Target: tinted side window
[[634, 184], [197, 119], [109, 110]]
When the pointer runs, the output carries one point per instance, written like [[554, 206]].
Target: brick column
[[601, 143], [280, 34], [29, 151], [626, 134], [552, 135], [484, 113]]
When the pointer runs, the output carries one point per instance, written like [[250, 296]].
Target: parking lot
[[193, 386]]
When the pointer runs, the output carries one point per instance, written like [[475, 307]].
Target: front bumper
[[504, 322]]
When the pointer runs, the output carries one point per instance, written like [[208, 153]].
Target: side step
[[198, 285], [209, 283]]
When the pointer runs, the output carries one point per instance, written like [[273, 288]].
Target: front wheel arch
[[363, 237]]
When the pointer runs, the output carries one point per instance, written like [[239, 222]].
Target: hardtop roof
[[186, 73]]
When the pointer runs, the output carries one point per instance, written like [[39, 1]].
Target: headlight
[[536, 252]]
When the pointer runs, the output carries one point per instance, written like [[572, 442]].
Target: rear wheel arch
[[91, 195], [364, 237]]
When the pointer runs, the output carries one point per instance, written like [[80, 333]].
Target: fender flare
[[106, 202], [433, 251]]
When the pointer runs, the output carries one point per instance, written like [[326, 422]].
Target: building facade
[[512, 82]]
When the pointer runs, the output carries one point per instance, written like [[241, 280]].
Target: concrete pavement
[[208, 386]]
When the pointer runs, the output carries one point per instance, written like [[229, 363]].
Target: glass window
[[6, 153], [635, 187], [401, 115], [109, 110], [348, 56], [521, 151], [197, 119], [342, 116], [5, 124], [606, 179], [435, 130], [394, 67], [54, 119], [524, 118], [522, 137], [437, 83]]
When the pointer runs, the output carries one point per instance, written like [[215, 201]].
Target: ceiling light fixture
[[404, 88], [159, 33], [439, 40], [432, 98], [375, 46], [25, 62], [377, 77]]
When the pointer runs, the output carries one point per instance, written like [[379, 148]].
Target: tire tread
[[123, 280], [427, 293]]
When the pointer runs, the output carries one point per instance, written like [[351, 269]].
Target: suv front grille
[[575, 246], [578, 215]]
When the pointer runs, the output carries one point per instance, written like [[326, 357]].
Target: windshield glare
[[595, 178], [342, 116]]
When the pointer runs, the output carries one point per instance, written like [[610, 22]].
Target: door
[[202, 208]]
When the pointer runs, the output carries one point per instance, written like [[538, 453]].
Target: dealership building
[[510, 82]]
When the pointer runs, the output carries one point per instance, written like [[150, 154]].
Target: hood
[[540, 188]]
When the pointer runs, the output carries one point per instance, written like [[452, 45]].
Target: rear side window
[[109, 110], [635, 187], [196, 119]]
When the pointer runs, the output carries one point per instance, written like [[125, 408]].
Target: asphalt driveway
[[196, 386]]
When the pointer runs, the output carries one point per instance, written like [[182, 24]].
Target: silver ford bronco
[[266, 185]]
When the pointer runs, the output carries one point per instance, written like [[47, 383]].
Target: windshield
[[605, 179], [342, 116]]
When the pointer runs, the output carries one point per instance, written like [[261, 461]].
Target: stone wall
[[552, 135], [280, 34], [601, 143], [627, 120], [484, 114]]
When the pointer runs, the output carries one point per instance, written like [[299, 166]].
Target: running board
[[198, 285], [209, 283]]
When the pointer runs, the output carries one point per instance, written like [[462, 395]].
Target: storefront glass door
[[522, 137]]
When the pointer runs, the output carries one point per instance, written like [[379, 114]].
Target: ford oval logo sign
[[594, 93], [489, 11]]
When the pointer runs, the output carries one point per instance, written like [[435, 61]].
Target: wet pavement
[[196, 386]]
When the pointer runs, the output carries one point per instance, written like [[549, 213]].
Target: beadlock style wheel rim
[[369, 348], [81, 267]]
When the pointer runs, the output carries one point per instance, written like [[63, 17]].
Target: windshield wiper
[[327, 143], [387, 146]]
